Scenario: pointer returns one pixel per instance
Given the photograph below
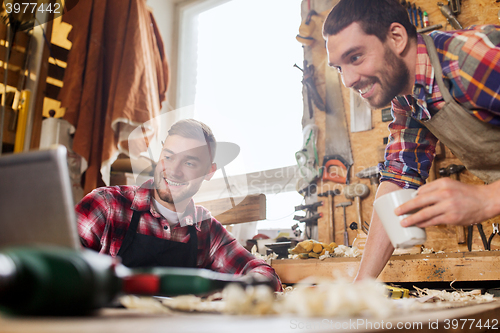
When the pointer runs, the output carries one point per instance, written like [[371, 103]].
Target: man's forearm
[[378, 248]]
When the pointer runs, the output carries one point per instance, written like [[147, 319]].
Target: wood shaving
[[192, 303], [431, 299], [345, 251], [426, 250], [143, 304], [268, 258], [325, 298]]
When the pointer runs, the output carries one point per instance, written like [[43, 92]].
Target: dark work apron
[[140, 250], [474, 142]]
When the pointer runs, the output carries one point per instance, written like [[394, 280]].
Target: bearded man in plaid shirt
[[158, 224], [445, 86]]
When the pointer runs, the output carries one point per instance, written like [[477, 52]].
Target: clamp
[[493, 233], [481, 233]]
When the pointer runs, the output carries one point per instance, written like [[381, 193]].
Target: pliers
[[470, 230], [493, 233]]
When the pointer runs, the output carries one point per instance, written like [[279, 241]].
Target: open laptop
[[36, 203]]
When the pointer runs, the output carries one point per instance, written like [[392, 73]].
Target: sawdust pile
[[309, 299]]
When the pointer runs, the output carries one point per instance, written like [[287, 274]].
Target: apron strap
[[193, 240], [131, 231], [438, 71]]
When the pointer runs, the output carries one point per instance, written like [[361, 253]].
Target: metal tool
[[470, 232], [346, 235], [453, 171], [365, 227], [357, 192], [455, 6], [493, 233], [372, 174], [334, 166], [337, 141], [450, 16], [421, 14], [432, 27], [331, 195], [415, 17], [408, 8]]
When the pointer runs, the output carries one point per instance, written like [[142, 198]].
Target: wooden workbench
[[462, 266], [123, 321]]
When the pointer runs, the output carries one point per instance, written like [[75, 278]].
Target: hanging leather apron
[[140, 250], [474, 142]]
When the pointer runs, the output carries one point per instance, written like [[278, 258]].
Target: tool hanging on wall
[[470, 236], [346, 235], [453, 171], [338, 155], [311, 217], [331, 225], [450, 15], [494, 232], [357, 192], [307, 157]]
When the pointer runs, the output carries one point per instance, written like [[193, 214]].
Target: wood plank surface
[[124, 321], [463, 266], [248, 209]]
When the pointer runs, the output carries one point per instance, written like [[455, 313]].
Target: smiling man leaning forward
[[158, 224], [445, 87]]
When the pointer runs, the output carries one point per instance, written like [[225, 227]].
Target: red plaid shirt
[[104, 216]]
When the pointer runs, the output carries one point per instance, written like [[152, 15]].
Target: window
[[236, 67]]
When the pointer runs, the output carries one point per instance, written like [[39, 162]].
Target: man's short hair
[[374, 16], [194, 129]]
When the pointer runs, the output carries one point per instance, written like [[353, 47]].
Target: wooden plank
[[59, 53], [133, 320], [52, 91], [249, 209], [56, 72], [462, 266]]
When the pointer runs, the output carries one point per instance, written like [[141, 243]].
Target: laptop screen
[[36, 203]]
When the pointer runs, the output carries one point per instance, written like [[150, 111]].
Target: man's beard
[[395, 77], [167, 196]]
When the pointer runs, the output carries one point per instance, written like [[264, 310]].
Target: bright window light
[[248, 90]]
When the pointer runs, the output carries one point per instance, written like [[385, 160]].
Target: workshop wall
[[367, 147]]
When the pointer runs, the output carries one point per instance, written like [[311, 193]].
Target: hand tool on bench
[[346, 235], [357, 192], [331, 194], [372, 174], [453, 171], [493, 233], [470, 232]]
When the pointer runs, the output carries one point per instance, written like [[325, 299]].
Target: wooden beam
[[248, 209], [462, 266]]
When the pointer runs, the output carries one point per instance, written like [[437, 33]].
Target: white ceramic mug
[[400, 237]]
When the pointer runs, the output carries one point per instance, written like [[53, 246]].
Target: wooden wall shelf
[[462, 266]]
